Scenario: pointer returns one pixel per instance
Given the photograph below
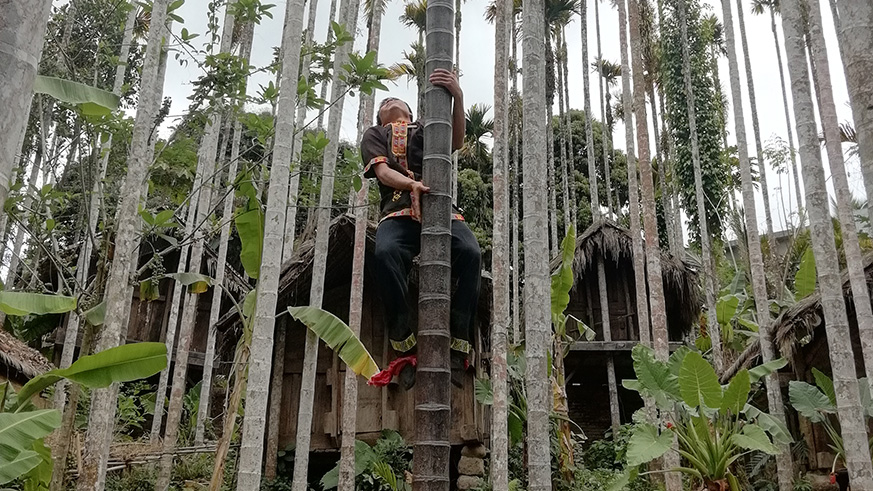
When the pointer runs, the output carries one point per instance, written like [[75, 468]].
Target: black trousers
[[398, 241]]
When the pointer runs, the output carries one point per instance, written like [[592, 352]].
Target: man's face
[[393, 110]]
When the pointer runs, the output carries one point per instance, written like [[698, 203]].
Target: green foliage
[[249, 221], [714, 425], [21, 431], [91, 101], [475, 201], [714, 165], [25, 303], [698, 382], [382, 467], [120, 364], [646, 444], [562, 281], [338, 336], [365, 73], [135, 478], [136, 400], [516, 365], [805, 278]]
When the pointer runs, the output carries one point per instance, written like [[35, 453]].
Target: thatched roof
[[797, 326], [615, 245], [294, 283], [19, 358]]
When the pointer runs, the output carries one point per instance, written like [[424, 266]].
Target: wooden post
[[615, 416], [433, 394], [275, 410]]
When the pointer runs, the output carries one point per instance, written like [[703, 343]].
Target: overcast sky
[[477, 62]]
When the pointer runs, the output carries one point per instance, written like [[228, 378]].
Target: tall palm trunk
[[500, 263], [118, 290], [660, 337], [326, 73], [348, 18], [23, 26], [455, 154], [42, 154], [84, 262], [515, 116], [209, 140], [795, 166], [356, 300], [706, 250], [430, 469], [602, 97], [756, 128], [784, 464], [175, 304], [849, 409], [550, 143], [296, 161], [831, 126], [856, 41], [217, 293], [562, 115], [207, 154], [666, 203], [642, 299], [653, 260], [257, 394], [536, 270], [589, 132], [568, 128], [83, 266], [553, 199]]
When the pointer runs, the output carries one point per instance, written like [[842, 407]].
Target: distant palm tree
[[415, 15], [474, 152], [412, 67], [611, 73]]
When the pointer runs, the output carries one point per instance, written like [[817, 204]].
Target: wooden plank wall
[[378, 408]]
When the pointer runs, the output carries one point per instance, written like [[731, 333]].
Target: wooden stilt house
[[597, 400]]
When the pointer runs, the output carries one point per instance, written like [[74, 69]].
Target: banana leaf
[[18, 431], [26, 303], [121, 364], [804, 279], [19, 466], [339, 337], [91, 101]]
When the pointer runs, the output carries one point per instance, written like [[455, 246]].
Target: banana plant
[[714, 425], [23, 454], [818, 403]]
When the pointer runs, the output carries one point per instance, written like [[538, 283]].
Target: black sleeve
[[374, 150]]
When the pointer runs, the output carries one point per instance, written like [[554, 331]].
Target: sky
[[477, 73]]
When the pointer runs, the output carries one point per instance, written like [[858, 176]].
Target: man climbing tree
[[392, 152]]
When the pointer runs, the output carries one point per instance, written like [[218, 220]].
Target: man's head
[[393, 109]]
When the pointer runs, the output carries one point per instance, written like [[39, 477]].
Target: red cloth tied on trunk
[[384, 377]]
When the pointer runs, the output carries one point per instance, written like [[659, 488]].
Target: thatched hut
[[799, 337], [378, 408], [19, 362], [596, 399]]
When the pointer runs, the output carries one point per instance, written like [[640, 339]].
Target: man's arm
[[396, 180], [449, 81]]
